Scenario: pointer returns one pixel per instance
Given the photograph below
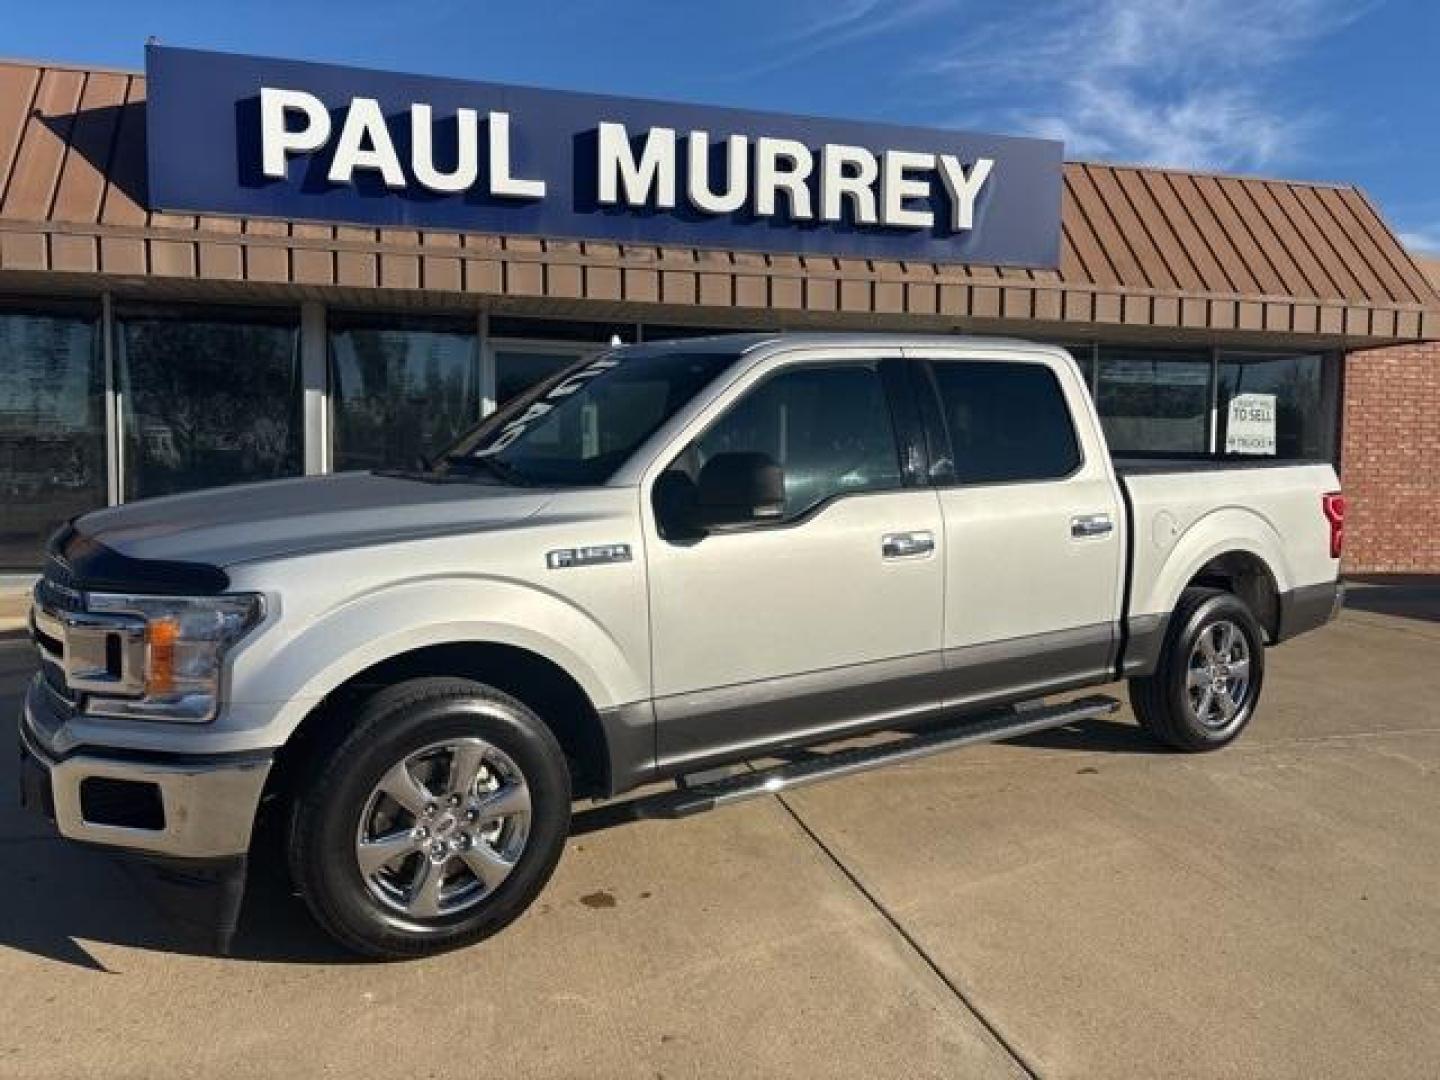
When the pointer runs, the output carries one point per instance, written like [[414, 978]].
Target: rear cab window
[[1006, 422]]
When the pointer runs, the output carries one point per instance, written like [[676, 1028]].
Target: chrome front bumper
[[206, 803]]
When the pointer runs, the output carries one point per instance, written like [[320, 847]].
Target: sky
[[1339, 90]]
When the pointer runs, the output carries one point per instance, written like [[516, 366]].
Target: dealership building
[[188, 298]]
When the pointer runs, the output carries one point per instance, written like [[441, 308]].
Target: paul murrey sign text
[[245, 135], [774, 177]]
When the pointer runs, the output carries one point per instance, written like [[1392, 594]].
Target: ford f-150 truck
[[665, 560]]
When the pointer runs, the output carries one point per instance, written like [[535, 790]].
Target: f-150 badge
[[587, 556]]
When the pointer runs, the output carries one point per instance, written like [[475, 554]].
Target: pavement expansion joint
[[964, 999]]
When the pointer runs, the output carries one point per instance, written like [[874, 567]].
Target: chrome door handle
[[1084, 526], [906, 545]]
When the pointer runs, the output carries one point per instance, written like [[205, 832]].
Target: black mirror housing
[[740, 489]]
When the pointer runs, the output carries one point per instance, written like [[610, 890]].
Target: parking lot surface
[[1075, 904]]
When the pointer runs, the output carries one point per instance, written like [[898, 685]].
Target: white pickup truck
[[667, 559]]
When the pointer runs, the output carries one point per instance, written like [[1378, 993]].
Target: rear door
[[1034, 544]]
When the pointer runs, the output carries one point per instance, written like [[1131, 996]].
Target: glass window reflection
[[208, 402], [401, 391], [1154, 402], [52, 429]]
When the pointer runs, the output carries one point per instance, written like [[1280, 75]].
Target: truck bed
[[1184, 511]]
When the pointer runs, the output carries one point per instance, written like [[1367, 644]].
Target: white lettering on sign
[[963, 188], [737, 174], [896, 186], [782, 165], [277, 141], [502, 180], [848, 172], [365, 143], [623, 179], [1250, 425], [467, 165], [774, 177]]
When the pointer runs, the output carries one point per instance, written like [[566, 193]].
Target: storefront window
[[1154, 402], [208, 402], [401, 391], [1273, 406], [52, 429]]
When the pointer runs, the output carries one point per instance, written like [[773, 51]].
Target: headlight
[[186, 640]]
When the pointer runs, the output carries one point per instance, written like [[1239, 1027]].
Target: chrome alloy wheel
[[1217, 684], [443, 828]]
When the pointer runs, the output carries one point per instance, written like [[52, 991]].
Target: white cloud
[[1190, 83], [826, 25], [1423, 241]]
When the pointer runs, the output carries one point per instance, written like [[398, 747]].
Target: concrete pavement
[[1073, 904]]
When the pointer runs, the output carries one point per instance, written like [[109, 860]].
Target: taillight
[[1333, 504]]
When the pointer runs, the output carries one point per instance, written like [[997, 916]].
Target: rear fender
[[1171, 568]]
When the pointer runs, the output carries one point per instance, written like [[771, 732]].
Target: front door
[[826, 619]]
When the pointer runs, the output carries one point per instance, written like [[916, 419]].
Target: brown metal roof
[[1142, 247], [1430, 266]]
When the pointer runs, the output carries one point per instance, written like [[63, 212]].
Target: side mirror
[[739, 489]]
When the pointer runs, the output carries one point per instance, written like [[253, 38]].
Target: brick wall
[[1390, 458]]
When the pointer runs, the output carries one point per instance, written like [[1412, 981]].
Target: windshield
[[582, 425]]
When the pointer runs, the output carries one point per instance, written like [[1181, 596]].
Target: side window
[[828, 428], [1008, 422]]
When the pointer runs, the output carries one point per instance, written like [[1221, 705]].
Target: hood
[[224, 526]]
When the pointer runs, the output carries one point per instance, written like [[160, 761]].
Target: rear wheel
[[434, 823], [1207, 683]]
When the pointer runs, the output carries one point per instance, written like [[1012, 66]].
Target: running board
[[984, 728]]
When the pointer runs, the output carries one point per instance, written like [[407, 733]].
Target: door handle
[[906, 545], [1084, 526]]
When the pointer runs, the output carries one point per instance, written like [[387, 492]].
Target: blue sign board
[[257, 137]]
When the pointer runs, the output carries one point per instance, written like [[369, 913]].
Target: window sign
[[1250, 427]]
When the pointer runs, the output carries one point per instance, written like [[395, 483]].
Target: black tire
[[1163, 701], [341, 788]]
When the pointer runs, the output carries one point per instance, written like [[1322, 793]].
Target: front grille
[[57, 590], [55, 679]]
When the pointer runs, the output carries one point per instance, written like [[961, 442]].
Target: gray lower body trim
[[711, 727], [999, 672], [1144, 639], [1308, 608], [629, 745], [731, 723]]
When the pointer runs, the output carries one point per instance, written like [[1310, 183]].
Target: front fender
[[294, 670], [1169, 562]]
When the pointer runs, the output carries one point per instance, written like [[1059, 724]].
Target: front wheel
[[1207, 683], [434, 823]]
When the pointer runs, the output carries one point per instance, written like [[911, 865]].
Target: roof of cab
[[749, 342]]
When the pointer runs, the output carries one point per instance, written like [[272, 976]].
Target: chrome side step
[[983, 728]]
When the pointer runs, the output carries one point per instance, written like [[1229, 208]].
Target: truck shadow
[[1094, 736]]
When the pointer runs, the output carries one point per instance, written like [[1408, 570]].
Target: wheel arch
[[1233, 549], [603, 754], [1247, 576]]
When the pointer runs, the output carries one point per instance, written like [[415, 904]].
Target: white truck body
[[873, 608]]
